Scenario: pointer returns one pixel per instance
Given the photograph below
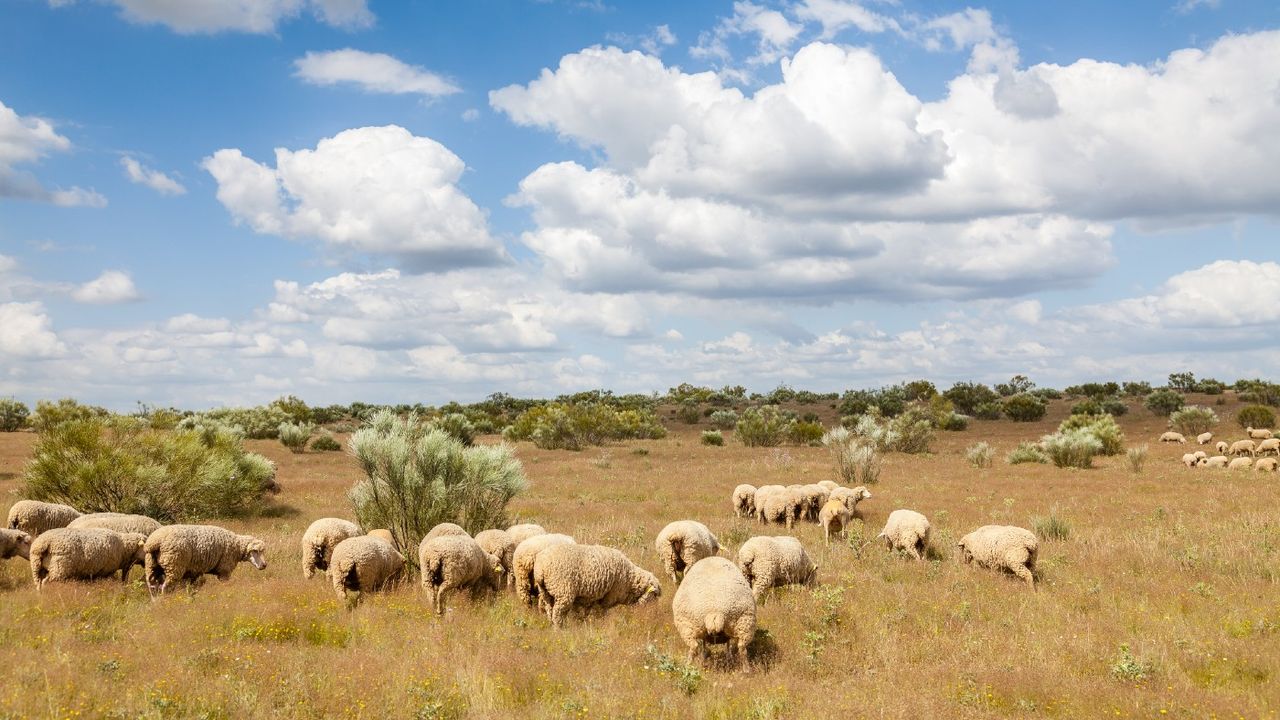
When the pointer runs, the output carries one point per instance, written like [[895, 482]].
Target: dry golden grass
[[1179, 565]]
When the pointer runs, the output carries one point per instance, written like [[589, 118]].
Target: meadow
[[1158, 597]]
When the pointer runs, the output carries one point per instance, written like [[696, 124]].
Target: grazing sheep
[[1172, 437], [590, 576], [1221, 447], [14, 543], [119, 522], [835, 517], [1204, 438], [1270, 445], [446, 528], [714, 604], [1215, 461], [1258, 434], [1266, 464], [499, 544], [522, 561], [34, 517], [1200, 454], [775, 561], [784, 506], [1190, 460], [744, 500], [385, 535], [1242, 463], [456, 562], [813, 497], [851, 497], [189, 552], [318, 542], [524, 531], [683, 543], [363, 564], [84, 554], [1002, 547], [829, 484], [908, 531], [1241, 447]]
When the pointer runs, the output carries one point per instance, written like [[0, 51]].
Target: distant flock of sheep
[[1231, 456]]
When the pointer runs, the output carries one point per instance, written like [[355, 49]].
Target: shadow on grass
[[279, 510]]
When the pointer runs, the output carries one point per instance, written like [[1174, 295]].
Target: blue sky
[[541, 197]]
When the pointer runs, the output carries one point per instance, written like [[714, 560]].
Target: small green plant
[[1129, 668], [1071, 448], [723, 419], [765, 426], [13, 415], [830, 599], [326, 443], [1193, 420], [1026, 453], [688, 678], [1024, 407], [1164, 402], [954, 422], [805, 433], [712, 437], [988, 411], [979, 455], [1052, 526], [294, 436], [1256, 416], [1137, 457]]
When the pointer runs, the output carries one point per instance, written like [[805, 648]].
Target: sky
[[218, 202]]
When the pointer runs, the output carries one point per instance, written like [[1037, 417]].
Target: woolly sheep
[[14, 543], [714, 604], [446, 528], [499, 544], [524, 531], [84, 554], [1172, 437], [456, 562], [1204, 438], [784, 506], [1215, 461], [1200, 454], [590, 576], [829, 484], [851, 497], [683, 543], [34, 517], [744, 500], [363, 564], [522, 560], [1258, 434], [318, 542], [1190, 460], [385, 535], [1266, 464], [189, 552], [1270, 445], [1242, 463], [775, 561], [1002, 547], [1221, 447], [1241, 447], [119, 522], [907, 530], [835, 517], [813, 498]]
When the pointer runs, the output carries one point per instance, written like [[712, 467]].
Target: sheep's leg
[[558, 611], [440, 595], [1022, 572]]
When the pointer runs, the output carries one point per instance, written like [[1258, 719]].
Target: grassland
[[1161, 601]]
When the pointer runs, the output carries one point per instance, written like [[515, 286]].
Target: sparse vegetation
[[712, 437], [326, 443], [979, 455], [1026, 453], [1052, 526], [1102, 427], [723, 419], [1137, 457], [13, 415], [295, 436], [1071, 448]]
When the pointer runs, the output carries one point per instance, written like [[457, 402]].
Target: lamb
[[84, 554], [189, 552], [683, 543], [1270, 445], [34, 517], [1242, 463], [851, 497], [119, 522], [1204, 438], [835, 517], [1190, 460], [14, 543], [363, 564], [1172, 437], [1266, 464], [590, 576], [907, 530], [498, 543], [524, 531], [1215, 461], [445, 528], [522, 560], [775, 561], [1002, 547], [1258, 434], [456, 562], [1221, 447], [714, 604], [784, 506], [744, 500], [318, 542], [1241, 447]]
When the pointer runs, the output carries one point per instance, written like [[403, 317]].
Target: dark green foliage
[[1114, 407], [1259, 391], [571, 427], [712, 437], [1256, 416], [13, 415], [805, 433], [1087, 407], [1018, 384], [988, 410], [1193, 420], [1023, 407], [1047, 393], [326, 443], [1164, 402], [919, 390], [1137, 389], [968, 396], [765, 426], [1184, 381]]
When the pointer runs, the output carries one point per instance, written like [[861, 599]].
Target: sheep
[[907, 530], [683, 543], [499, 544], [1266, 464], [1190, 460], [320, 539], [851, 497], [835, 517], [1241, 463], [1200, 454], [1270, 445], [84, 554], [362, 564], [524, 531], [385, 535], [829, 484], [1258, 434], [455, 562], [775, 561], [813, 497], [1215, 461], [1241, 447], [119, 522], [1204, 438], [445, 528], [34, 517], [1172, 437], [784, 506], [1221, 447], [744, 500], [14, 543], [714, 604], [590, 576], [189, 552], [1002, 547], [522, 560]]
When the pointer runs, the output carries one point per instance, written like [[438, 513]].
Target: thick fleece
[[714, 604], [906, 531], [363, 564], [683, 543], [318, 542], [119, 522], [522, 560], [769, 562], [178, 553], [456, 562], [34, 517], [590, 576], [84, 554], [1002, 547]]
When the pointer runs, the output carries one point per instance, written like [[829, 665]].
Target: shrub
[[1102, 427], [1026, 453], [1052, 526], [1023, 407], [1017, 385], [1210, 386], [979, 455], [1256, 416], [1164, 402], [919, 390], [1114, 407], [1193, 420], [638, 424], [1183, 381], [570, 427], [987, 411], [13, 415], [688, 412], [805, 433], [417, 476], [765, 426], [257, 423], [326, 443], [855, 458], [712, 437], [1137, 457], [1259, 391], [1071, 448], [912, 431], [724, 419], [968, 396], [1047, 393], [119, 464], [1136, 389], [294, 436], [49, 415], [458, 427], [293, 406], [955, 422], [1087, 407]]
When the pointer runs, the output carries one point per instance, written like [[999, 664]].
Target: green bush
[[987, 411], [979, 455], [119, 464], [955, 422], [13, 415], [561, 426], [326, 443], [1017, 385], [1071, 448], [688, 412], [292, 406], [1164, 402], [256, 423], [856, 460], [764, 426], [638, 424], [1024, 407], [1193, 420], [1087, 407], [1026, 453], [295, 436], [968, 396], [712, 437], [1047, 393], [724, 419], [1114, 407], [805, 433], [1256, 416], [1102, 427], [49, 415], [1137, 389], [912, 431], [458, 427], [417, 476]]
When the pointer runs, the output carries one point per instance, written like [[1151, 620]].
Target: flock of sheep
[[1232, 456]]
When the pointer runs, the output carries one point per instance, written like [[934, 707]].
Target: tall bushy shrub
[[1256, 416], [458, 427], [1164, 402], [968, 396], [1071, 448], [295, 435], [257, 423], [1102, 427], [724, 419], [912, 430], [1023, 407], [13, 415], [1193, 420], [856, 460], [417, 476], [764, 426], [49, 415]]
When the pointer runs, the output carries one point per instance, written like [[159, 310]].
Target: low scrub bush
[[1137, 457], [723, 419], [295, 436], [712, 437], [987, 411], [326, 443], [1024, 407], [1071, 448], [805, 433], [13, 415], [1102, 427], [765, 426], [912, 431], [1136, 389], [856, 460], [955, 422], [1115, 407], [1052, 526], [1193, 420], [1026, 453], [1087, 407], [557, 426], [968, 396], [49, 415], [458, 427], [979, 455], [1256, 416], [255, 423], [295, 408], [688, 412], [1164, 402]]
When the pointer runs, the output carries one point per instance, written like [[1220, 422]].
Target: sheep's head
[[644, 586], [861, 493], [254, 551], [137, 545], [963, 555], [21, 546]]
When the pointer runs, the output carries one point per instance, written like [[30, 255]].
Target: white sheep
[[1215, 461], [1172, 437], [524, 531], [456, 562], [1266, 464], [318, 542], [384, 535], [744, 500], [522, 560], [363, 564], [783, 506], [499, 544], [683, 543], [119, 522], [814, 497], [177, 553], [851, 497], [446, 528], [1002, 547], [1241, 463], [1241, 447], [1200, 454], [1204, 438], [1270, 445], [590, 576], [1258, 433], [1190, 460], [829, 484], [714, 604], [769, 562], [834, 517], [14, 543], [34, 517], [84, 554], [1221, 447], [907, 531]]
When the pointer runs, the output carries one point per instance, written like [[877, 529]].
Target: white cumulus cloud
[[152, 178], [27, 332], [111, 287], [371, 72], [26, 140]]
